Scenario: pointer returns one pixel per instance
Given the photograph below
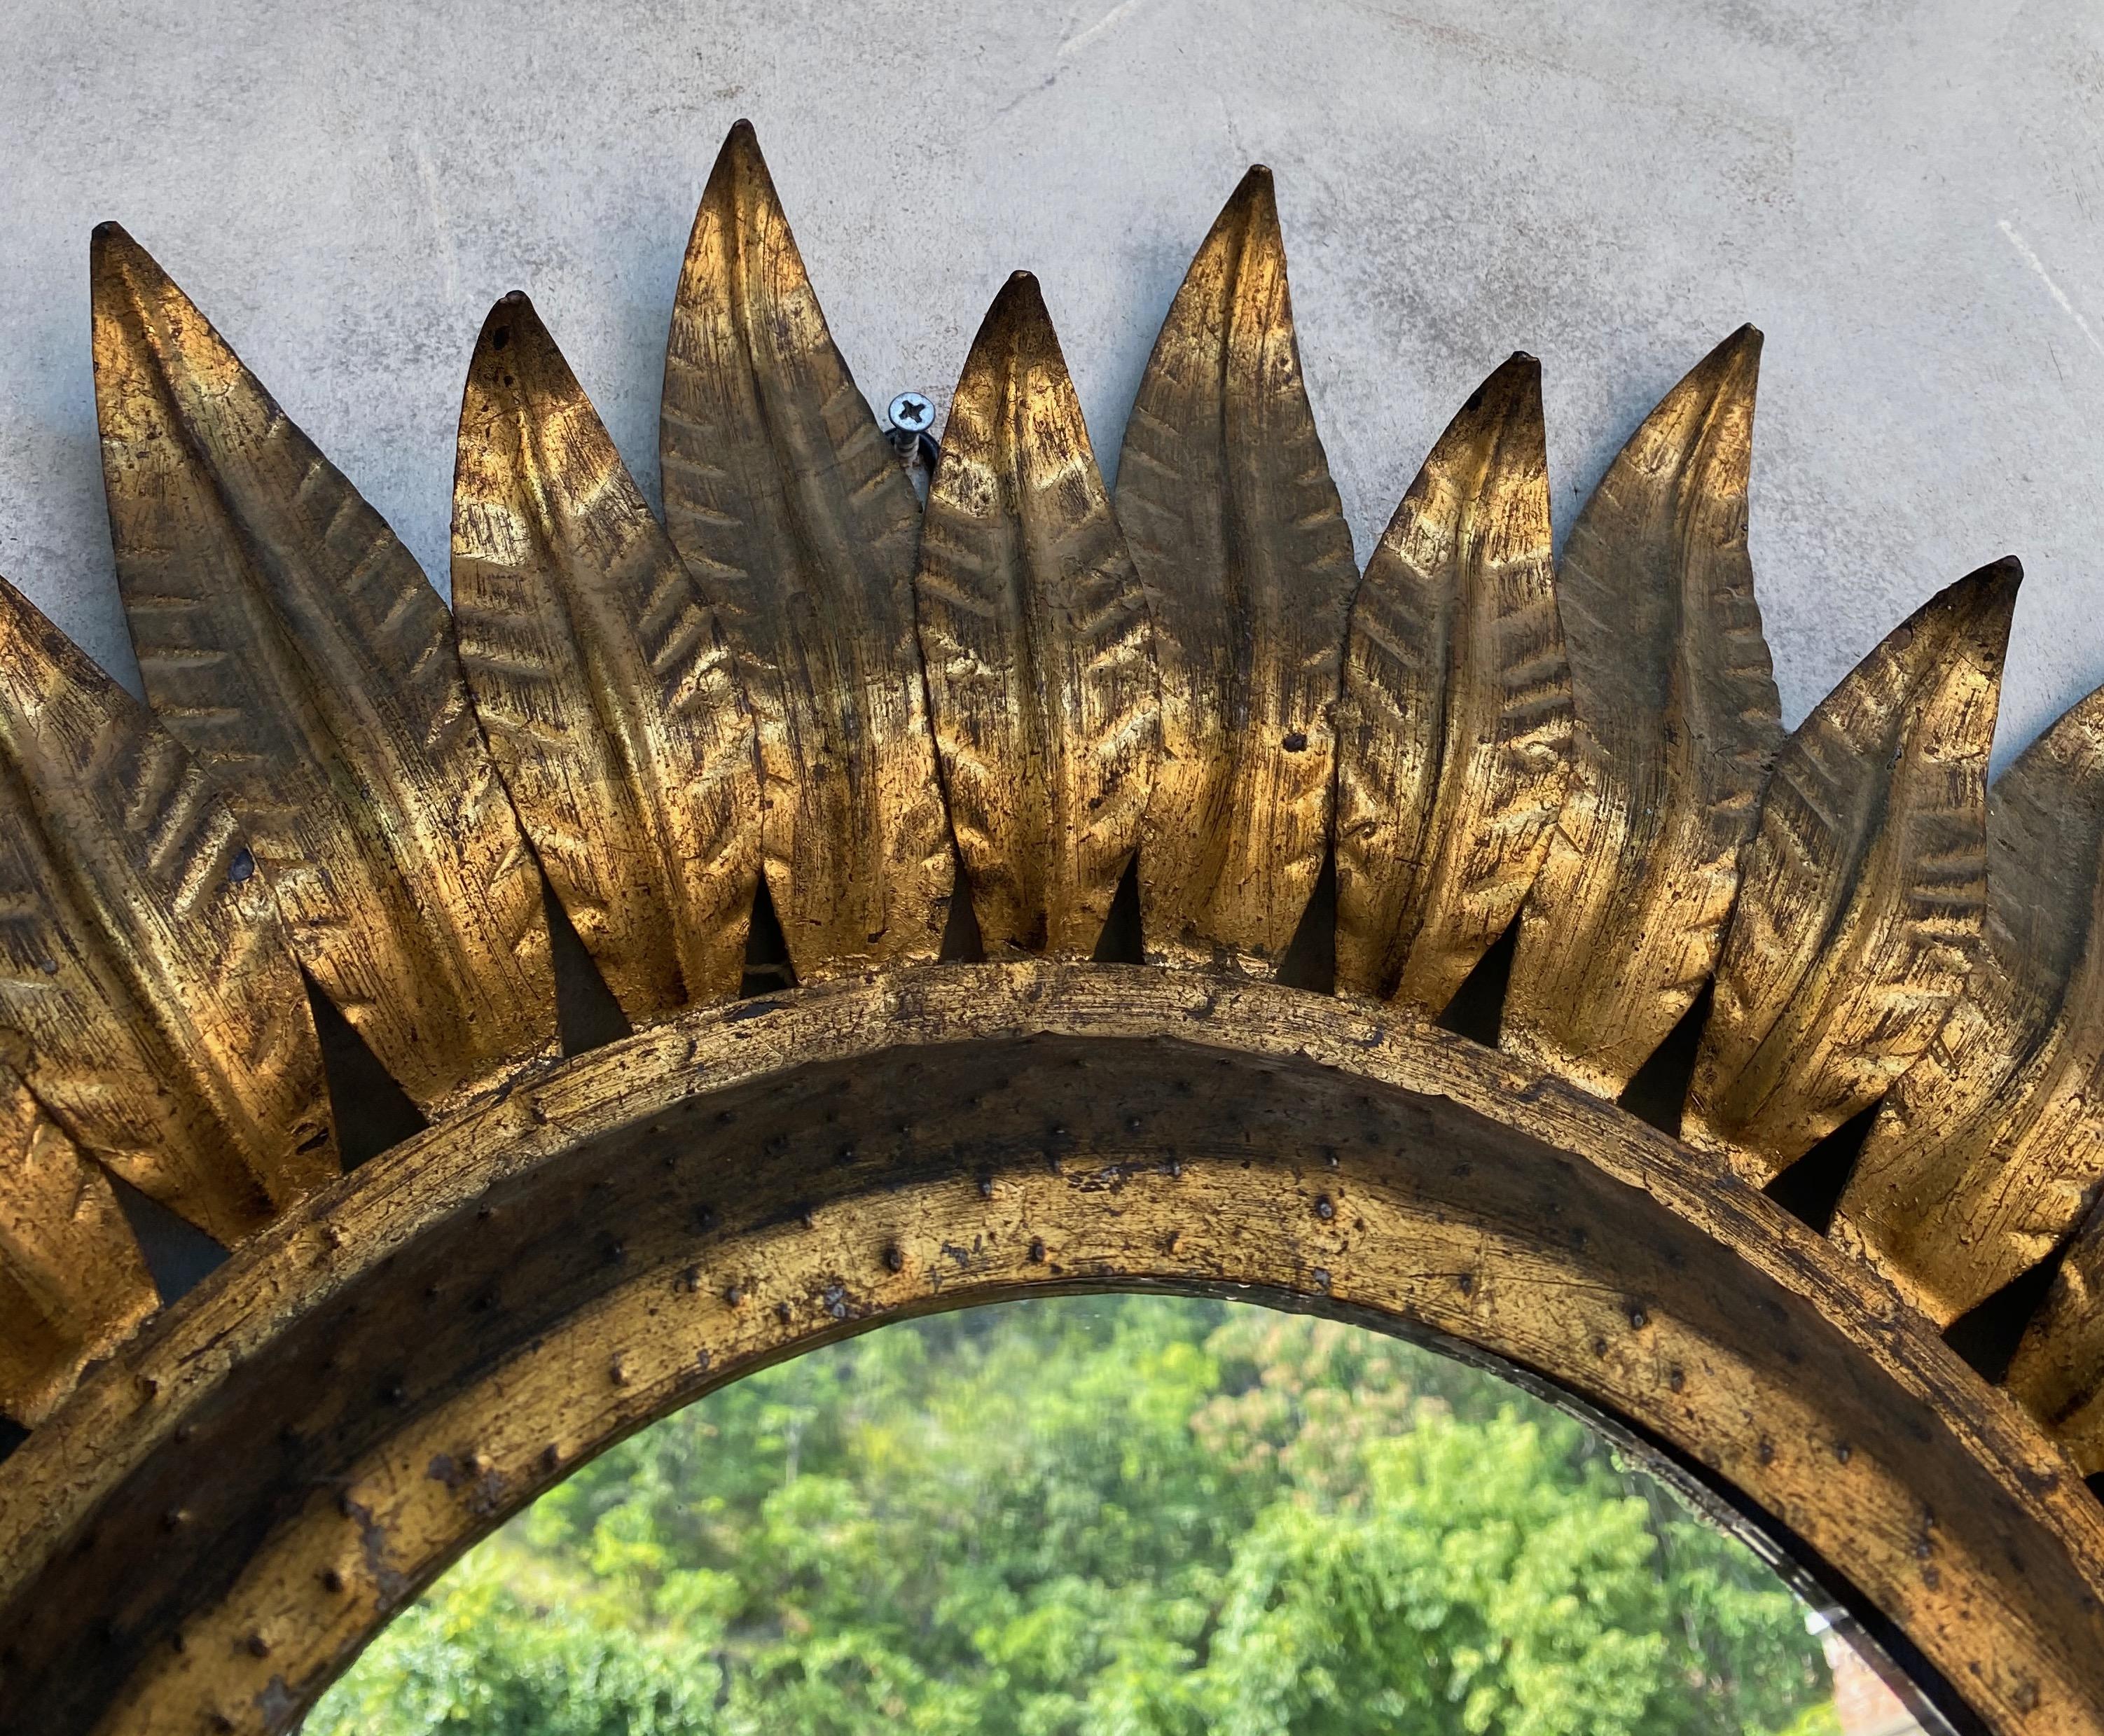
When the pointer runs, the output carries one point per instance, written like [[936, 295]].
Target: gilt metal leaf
[[602, 679], [1235, 526], [1989, 1149], [1863, 890], [1676, 719], [791, 679], [1035, 634], [292, 643], [147, 994], [1454, 732], [799, 525], [72, 1285]]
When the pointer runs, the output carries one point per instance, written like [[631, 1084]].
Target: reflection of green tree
[[1144, 1516]]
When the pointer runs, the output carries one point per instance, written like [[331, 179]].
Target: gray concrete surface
[[1900, 192]]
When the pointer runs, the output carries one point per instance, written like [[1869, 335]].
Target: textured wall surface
[[1899, 192]]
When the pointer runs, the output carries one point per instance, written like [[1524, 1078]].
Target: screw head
[[911, 412]]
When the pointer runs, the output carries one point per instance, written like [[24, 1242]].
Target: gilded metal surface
[[210, 1526], [1862, 893], [293, 644], [1227, 502], [1035, 635], [603, 681], [147, 994], [2058, 1373], [799, 526], [441, 1356], [1454, 732], [72, 1286], [1987, 1154], [1677, 721]]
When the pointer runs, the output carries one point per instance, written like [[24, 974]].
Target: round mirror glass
[[1153, 1515]]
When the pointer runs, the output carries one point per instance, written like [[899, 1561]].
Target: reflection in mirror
[[1152, 1514]]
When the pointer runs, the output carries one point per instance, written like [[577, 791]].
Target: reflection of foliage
[[1137, 1517]]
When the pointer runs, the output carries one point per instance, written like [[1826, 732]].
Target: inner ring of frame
[[576, 1263]]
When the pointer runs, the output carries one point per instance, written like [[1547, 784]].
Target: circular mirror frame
[[232, 1506]]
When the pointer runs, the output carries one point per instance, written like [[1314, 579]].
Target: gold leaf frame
[[1145, 747]]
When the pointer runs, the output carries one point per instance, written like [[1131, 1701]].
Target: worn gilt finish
[[2056, 1371], [146, 993], [1226, 499], [289, 641], [1454, 735], [1677, 721], [789, 698], [1040, 679], [1863, 894], [72, 1285], [1988, 1152], [799, 525], [602, 679], [444, 1353]]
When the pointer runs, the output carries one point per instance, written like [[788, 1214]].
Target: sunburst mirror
[[815, 910]]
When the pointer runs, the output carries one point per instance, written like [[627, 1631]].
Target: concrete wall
[[1900, 192]]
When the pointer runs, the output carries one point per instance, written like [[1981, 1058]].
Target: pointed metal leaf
[[1863, 890], [1676, 719], [1034, 633], [1226, 503], [1454, 731], [1990, 1149], [602, 679], [289, 639], [798, 524], [72, 1283], [147, 992]]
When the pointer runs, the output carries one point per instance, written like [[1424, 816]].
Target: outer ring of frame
[[209, 1531]]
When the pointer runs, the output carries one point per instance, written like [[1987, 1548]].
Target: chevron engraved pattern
[[1036, 638], [1561, 784], [1677, 720], [1986, 1156], [1454, 750], [1862, 892], [603, 682], [148, 997], [294, 646], [1242, 548], [802, 530]]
